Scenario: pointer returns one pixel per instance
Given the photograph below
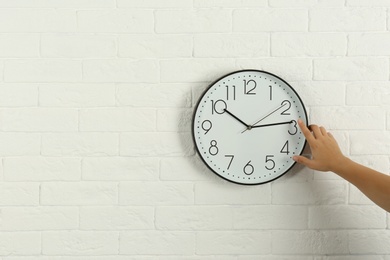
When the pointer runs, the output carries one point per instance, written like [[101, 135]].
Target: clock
[[245, 127]]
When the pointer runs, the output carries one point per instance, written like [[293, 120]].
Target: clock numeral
[[284, 113], [251, 85], [270, 162], [248, 168], [231, 160], [295, 128], [285, 148], [233, 90], [270, 92], [206, 126], [213, 150], [218, 106]]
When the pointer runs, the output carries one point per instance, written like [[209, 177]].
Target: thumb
[[303, 160]]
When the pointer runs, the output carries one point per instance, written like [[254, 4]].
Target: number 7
[[231, 160]]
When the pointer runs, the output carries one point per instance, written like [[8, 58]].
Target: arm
[[327, 156]]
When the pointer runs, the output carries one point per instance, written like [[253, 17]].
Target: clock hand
[[239, 120], [282, 123], [253, 125]]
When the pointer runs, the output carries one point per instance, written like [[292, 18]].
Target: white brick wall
[[97, 160]]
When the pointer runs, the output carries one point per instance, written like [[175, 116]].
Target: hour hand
[[239, 120]]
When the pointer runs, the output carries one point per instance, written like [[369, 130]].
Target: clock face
[[245, 127]]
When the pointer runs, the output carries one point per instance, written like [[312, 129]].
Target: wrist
[[341, 164]]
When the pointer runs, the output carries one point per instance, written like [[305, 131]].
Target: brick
[[194, 218], [370, 94], [120, 70], [347, 19], [184, 168], [20, 243], [194, 70], [173, 120], [233, 242], [20, 144], [363, 118], [313, 193], [269, 20], [320, 93], [18, 94], [157, 243], [117, 119], [269, 217], [231, 45], [22, 20], [310, 242], [154, 4], [42, 169], [78, 46], [39, 218], [154, 46], [368, 44], [156, 144], [193, 21], [39, 120], [369, 242], [115, 21], [346, 217], [76, 95], [58, 4], [370, 142], [42, 70], [120, 169], [289, 69], [371, 3], [229, 3], [154, 95], [156, 193], [308, 44], [306, 3], [80, 144], [351, 69], [1, 71], [388, 121], [19, 45], [223, 193], [19, 194], [79, 193], [116, 218], [80, 243]]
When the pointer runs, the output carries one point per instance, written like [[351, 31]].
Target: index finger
[[306, 132]]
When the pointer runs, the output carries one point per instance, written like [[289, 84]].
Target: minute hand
[[282, 123]]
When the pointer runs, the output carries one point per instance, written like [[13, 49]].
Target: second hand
[[263, 118]]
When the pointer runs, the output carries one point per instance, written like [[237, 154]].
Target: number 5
[[269, 160]]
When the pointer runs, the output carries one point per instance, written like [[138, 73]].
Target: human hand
[[326, 153]]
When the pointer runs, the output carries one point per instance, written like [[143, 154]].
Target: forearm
[[375, 185]]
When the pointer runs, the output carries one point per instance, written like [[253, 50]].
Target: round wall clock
[[245, 127]]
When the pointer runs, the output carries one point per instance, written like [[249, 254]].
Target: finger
[[316, 130], [332, 137], [306, 132], [303, 160], [323, 131]]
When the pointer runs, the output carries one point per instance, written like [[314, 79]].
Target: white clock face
[[245, 127]]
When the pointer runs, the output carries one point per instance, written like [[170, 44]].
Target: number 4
[[285, 148]]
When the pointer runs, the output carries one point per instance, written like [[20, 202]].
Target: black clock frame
[[196, 108]]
